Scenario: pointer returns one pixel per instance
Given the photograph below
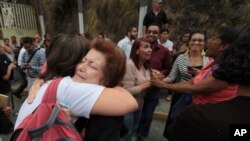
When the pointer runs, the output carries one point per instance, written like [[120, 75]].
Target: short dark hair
[[28, 40], [235, 61], [154, 24], [130, 27], [134, 56], [198, 31], [46, 34], [5, 39], [164, 30], [115, 68], [63, 55]]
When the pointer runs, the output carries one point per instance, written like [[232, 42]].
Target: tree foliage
[[113, 16]]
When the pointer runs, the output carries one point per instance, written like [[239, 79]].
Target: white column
[[41, 22], [81, 23], [80, 17], [142, 13]]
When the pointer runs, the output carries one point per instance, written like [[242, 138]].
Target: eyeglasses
[[152, 31], [197, 40]]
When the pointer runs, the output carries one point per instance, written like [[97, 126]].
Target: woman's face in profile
[[90, 69]]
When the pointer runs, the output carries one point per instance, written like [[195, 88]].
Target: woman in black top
[[6, 67]]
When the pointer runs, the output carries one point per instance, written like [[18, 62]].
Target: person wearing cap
[[155, 15]]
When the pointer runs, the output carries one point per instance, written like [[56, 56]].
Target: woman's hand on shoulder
[[34, 90]]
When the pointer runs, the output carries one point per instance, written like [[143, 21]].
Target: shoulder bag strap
[[33, 53]]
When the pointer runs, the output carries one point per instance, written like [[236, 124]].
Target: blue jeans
[[131, 121], [150, 102]]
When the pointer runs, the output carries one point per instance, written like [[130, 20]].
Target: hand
[[34, 90], [156, 74], [12, 65], [7, 110], [193, 71], [157, 83], [28, 66], [145, 85]]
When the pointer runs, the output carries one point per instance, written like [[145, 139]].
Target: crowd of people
[[111, 90]]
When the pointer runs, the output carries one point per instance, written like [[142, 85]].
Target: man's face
[[152, 33], [164, 36], [37, 39], [156, 6], [29, 47], [13, 39], [133, 33], [7, 42], [48, 37]]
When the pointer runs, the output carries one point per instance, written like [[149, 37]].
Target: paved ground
[[156, 128]]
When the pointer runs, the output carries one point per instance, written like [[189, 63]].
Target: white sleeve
[[79, 97], [20, 56], [120, 44], [171, 47]]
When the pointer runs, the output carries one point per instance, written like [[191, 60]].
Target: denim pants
[[150, 102], [131, 121]]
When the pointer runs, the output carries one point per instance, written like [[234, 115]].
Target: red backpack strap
[[50, 93]]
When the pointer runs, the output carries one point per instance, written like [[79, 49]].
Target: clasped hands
[[157, 78]]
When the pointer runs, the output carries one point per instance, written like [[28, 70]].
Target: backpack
[[48, 122]]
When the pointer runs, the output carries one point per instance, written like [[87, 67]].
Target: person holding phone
[[188, 64], [203, 88], [215, 121]]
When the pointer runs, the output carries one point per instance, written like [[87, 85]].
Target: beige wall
[[7, 33]]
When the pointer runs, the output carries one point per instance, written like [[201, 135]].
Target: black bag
[[6, 126], [21, 82]]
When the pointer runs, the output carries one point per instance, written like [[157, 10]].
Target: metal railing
[[17, 16]]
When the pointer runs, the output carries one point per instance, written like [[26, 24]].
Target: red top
[[44, 68], [160, 59], [218, 96]]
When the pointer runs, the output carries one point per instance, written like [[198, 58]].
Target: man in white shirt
[[164, 40], [38, 40], [126, 43]]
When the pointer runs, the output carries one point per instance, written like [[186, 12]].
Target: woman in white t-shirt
[[80, 92]]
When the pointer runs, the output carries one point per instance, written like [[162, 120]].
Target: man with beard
[[126, 43]]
